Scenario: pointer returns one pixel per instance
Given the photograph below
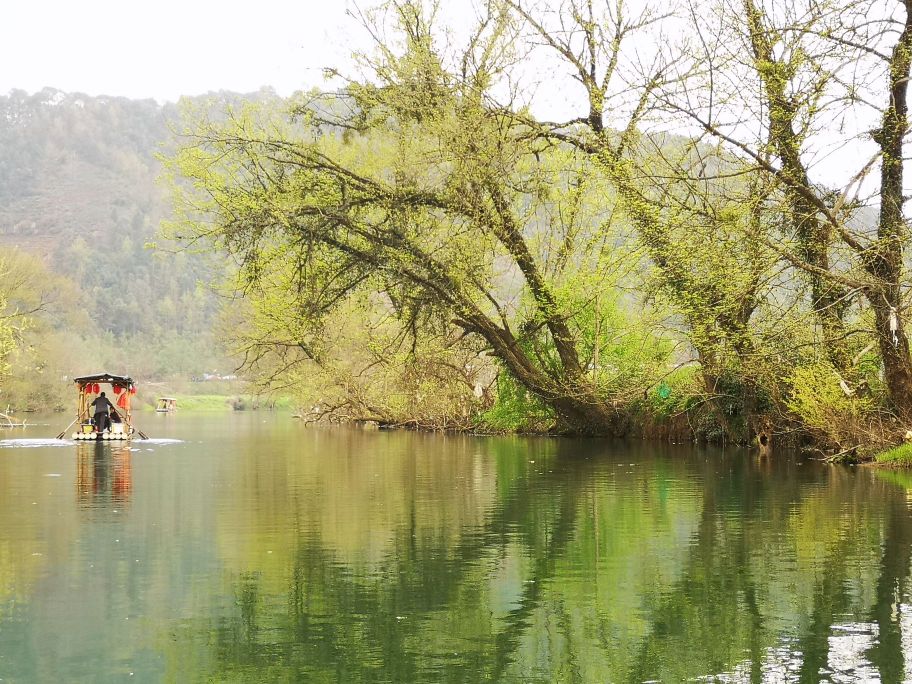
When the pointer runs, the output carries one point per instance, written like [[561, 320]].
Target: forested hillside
[[79, 192]]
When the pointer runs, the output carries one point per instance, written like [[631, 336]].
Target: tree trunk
[[894, 351], [578, 407], [587, 414], [711, 384], [885, 260], [511, 237], [814, 235]]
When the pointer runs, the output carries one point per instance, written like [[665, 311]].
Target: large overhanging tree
[[429, 189], [412, 186]]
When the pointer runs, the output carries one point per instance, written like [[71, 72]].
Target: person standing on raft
[[102, 408]]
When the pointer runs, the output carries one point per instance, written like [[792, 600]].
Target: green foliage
[[27, 291], [432, 209], [818, 398], [515, 409], [683, 389], [362, 365], [7, 340], [78, 189], [820, 401]]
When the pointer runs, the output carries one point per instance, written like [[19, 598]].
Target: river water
[[248, 547]]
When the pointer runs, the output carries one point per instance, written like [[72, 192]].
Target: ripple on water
[[50, 442], [34, 443]]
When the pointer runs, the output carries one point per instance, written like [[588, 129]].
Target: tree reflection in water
[[580, 566]]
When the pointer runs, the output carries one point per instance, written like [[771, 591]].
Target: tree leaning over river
[[424, 194], [680, 211]]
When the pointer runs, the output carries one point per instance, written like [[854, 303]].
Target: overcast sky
[[168, 48]]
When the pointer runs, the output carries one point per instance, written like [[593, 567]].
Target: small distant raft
[[119, 425], [166, 405]]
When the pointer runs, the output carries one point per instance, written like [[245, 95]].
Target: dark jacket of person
[[102, 405]]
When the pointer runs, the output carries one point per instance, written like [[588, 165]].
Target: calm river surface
[[257, 549]]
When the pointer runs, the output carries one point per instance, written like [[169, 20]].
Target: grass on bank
[[900, 456]]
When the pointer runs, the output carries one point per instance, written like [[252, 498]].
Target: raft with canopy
[[120, 426], [166, 405]]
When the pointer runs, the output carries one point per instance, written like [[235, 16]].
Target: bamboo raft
[[120, 425]]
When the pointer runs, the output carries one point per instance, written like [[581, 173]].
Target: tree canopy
[[681, 214]]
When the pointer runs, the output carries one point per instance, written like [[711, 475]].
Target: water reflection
[[574, 565], [264, 551], [103, 474]]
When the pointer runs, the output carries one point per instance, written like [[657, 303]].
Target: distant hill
[[79, 189]]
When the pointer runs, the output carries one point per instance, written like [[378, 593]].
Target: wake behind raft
[[99, 418]]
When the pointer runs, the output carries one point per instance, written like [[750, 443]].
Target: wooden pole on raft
[[60, 436], [80, 410]]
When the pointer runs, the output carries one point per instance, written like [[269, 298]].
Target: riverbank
[[222, 402]]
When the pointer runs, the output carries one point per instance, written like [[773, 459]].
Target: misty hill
[[79, 191], [78, 187]]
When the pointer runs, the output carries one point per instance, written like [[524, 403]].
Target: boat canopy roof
[[104, 377]]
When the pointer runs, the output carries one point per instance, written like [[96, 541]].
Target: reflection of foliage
[[581, 568]]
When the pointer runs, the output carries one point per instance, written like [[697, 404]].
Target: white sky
[[167, 48]]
